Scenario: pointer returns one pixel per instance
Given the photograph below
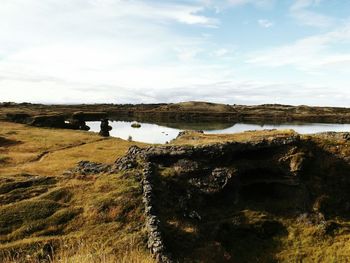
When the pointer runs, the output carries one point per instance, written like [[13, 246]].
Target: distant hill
[[197, 106]]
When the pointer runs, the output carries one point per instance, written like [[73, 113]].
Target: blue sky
[[133, 51]]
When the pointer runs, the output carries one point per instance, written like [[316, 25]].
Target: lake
[[161, 133]]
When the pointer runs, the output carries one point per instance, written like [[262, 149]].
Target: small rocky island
[[136, 125]]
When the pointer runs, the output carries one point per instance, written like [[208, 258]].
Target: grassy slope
[[196, 106], [195, 138], [99, 218], [95, 218]]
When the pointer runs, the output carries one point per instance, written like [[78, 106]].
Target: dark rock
[[129, 160], [105, 128], [52, 121], [194, 215], [89, 116], [77, 124], [268, 228], [89, 168], [18, 117], [346, 136], [184, 166], [136, 125], [155, 239], [214, 182], [330, 227]]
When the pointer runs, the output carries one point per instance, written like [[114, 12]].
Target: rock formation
[[89, 116], [105, 128], [51, 120], [237, 190], [78, 124]]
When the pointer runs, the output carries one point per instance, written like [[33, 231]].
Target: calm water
[[154, 133]]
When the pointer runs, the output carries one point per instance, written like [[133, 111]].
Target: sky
[[147, 51]]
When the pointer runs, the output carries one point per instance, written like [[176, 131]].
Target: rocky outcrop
[[89, 116], [105, 128], [186, 162], [52, 121], [215, 181], [18, 117], [77, 124], [85, 168], [237, 190], [75, 121], [183, 133]]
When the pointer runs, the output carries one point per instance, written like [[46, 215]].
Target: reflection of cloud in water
[[150, 133], [300, 128], [153, 133]]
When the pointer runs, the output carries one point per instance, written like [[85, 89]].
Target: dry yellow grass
[[109, 225], [103, 211], [89, 253], [51, 151], [307, 244], [95, 252], [195, 138]]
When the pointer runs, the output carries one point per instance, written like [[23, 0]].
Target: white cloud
[[132, 51], [258, 3], [220, 5], [69, 51], [265, 23], [221, 52], [308, 54], [302, 4], [300, 10]]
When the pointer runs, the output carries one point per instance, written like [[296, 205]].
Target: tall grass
[[85, 252]]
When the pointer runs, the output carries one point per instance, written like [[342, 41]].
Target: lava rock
[[105, 128]]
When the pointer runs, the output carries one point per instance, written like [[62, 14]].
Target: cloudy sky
[[132, 51]]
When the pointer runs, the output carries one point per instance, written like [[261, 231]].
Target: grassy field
[[48, 214], [94, 218], [196, 138]]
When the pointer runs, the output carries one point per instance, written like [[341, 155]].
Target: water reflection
[[161, 133], [150, 133]]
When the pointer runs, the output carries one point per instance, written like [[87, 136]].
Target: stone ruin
[[273, 176]]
